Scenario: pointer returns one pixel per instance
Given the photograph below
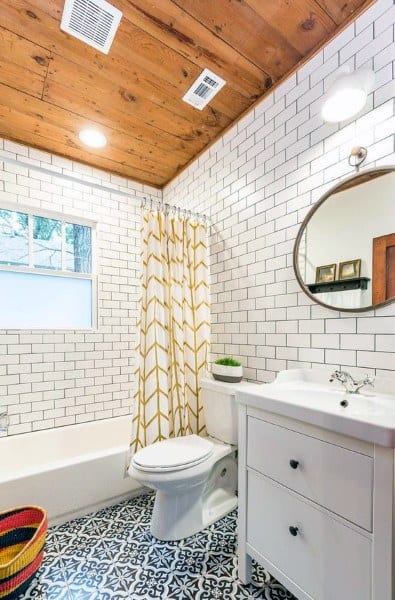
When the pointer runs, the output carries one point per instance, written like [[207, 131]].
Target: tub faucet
[[348, 381], [4, 422]]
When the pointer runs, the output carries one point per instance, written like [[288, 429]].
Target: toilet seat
[[173, 454]]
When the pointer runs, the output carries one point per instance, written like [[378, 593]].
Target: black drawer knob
[[293, 530], [293, 463]]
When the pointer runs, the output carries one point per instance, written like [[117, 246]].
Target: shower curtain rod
[[143, 200], [166, 208]]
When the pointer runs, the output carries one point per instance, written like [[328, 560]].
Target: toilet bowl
[[195, 478]]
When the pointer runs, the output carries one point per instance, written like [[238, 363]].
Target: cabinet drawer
[[328, 560], [339, 479]]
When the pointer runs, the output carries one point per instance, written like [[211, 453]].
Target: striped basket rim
[[39, 532], [12, 586]]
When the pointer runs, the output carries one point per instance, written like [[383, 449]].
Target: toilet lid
[[173, 454]]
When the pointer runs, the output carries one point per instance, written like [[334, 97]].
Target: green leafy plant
[[228, 361]]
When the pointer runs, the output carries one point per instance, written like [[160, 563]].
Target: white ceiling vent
[[94, 22], [206, 86]]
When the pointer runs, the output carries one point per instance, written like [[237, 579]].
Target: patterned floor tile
[[111, 555]]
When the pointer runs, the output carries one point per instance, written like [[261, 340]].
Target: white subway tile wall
[[54, 378], [258, 181]]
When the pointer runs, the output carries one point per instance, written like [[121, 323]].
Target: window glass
[[62, 298], [78, 248], [14, 238], [47, 243], [53, 302]]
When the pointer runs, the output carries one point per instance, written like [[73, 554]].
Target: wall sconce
[[357, 156], [347, 95]]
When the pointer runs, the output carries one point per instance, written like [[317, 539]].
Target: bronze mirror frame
[[366, 174]]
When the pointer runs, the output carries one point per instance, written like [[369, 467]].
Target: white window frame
[[63, 218]]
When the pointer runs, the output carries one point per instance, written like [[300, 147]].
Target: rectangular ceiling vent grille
[[206, 86], [94, 22]]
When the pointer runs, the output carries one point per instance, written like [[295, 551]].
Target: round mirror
[[344, 254]]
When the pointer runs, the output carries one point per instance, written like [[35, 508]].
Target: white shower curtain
[[174, 327]]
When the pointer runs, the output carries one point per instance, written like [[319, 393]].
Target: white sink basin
[[308, 396]]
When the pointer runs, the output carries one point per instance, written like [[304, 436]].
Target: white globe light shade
[[347, 96], [343, 105], [92, 137]]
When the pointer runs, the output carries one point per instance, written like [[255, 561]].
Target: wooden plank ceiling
[[52, 85]]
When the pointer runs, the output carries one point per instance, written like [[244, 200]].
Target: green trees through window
[[52, 244], [79, 248], [47, 243], [14, 238]]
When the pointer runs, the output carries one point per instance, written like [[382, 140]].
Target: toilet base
[[183, 513], [176, 516]]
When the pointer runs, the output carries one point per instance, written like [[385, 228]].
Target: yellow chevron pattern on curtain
[[174, 328]]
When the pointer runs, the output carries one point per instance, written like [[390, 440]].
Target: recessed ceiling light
[[92, 137], [347, 96]]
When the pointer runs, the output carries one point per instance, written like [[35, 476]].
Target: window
[[46, 278], [14, 236]]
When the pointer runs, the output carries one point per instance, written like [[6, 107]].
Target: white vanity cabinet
[[315, 507]]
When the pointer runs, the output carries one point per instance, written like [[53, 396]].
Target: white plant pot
[[226, 373]]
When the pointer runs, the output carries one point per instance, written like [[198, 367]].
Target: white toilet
[[195, 478]]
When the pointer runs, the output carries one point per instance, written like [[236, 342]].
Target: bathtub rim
[[60, 463]]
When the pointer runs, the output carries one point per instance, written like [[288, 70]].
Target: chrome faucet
[[348, 381], [4, 422]]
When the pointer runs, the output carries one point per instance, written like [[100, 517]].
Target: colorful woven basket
[[22, 537]]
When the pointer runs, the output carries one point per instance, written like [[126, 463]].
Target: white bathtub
[[70, 471]]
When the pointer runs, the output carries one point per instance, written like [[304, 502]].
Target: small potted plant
[[227, 369]]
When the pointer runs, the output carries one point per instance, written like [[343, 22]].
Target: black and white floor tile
[[111, 555]]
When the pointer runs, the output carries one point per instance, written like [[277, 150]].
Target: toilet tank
[[220, 409]]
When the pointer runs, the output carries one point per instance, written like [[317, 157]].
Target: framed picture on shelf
[[325, 273], [350, 269]]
